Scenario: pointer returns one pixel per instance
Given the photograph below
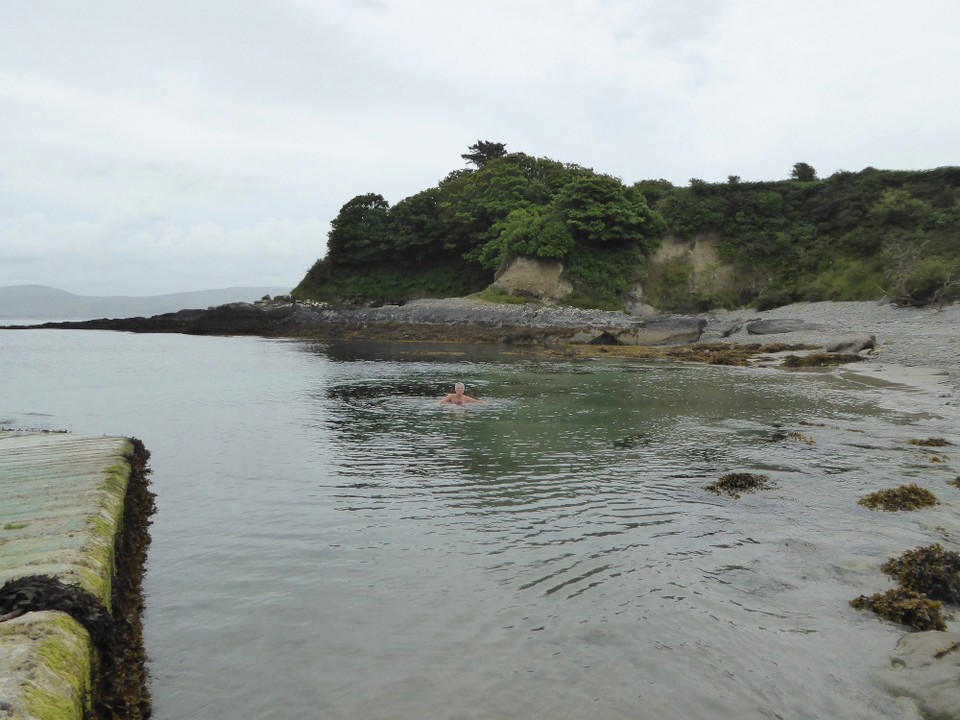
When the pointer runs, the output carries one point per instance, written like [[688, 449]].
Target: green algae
[[733, 484], [15, 525], [903, 498], [60, 688]]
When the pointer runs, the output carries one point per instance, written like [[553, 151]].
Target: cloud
[[172, 119], [121, 254]]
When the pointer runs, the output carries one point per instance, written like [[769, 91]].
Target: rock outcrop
[[454, 320], [852, 344], [775, 327], [534, 278]]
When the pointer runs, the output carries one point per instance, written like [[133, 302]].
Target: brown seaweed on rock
[[931, 570], [820, 359], [733, 484], [930, 442], [905, 497], [905, 607]]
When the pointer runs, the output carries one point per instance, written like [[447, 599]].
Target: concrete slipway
[[62, 501]]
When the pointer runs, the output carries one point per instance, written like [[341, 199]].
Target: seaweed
[[931, 570], [630, 441], [955, 482], [733, 484], [905, 607], [820, 359], [801, 438], [930, 442], [905, 497]]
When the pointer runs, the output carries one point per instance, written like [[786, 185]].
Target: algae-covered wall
[[73, 534]]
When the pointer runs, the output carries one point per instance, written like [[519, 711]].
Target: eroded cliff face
[[534, 278], [709, 275], [682, 269], [679, 268]]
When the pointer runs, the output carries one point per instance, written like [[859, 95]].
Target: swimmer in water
[[457, 397]]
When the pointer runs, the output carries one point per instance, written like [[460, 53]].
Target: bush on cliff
[[851, 236]]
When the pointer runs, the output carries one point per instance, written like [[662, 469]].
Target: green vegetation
[[905, 497], [851, 236]]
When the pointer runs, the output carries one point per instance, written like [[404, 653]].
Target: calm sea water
[[330, 543]]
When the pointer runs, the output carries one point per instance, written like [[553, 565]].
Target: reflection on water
[[331, 543]]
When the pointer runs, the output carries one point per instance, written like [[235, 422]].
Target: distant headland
[[515, 228], [40, 302]]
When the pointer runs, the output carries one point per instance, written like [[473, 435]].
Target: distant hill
[[46, 303]]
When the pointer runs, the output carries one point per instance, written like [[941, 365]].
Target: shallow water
[[331, 543]]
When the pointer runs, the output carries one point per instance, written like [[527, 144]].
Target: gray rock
[[717, 329], [774, 327], [925, 669], [852, 344]]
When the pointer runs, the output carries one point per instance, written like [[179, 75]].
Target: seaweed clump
[[630, 441], [733, 484], [930, 442], [820, 359], [905, 497], [931, 570], [905, 607]]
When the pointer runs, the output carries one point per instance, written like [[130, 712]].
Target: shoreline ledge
[[882, 335], [73, 541]]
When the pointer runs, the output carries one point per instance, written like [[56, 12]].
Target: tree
[[359, 232], [528, 232], [484, 151], [599, 209], [803, 172], [416, 231]]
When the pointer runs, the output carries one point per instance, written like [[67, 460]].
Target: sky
[[161, 146]]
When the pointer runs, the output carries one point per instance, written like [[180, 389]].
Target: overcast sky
[[150, 147]]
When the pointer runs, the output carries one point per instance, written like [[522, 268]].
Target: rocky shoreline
[[907, 338]]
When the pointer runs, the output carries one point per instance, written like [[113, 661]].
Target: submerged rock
[[925, 668]]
